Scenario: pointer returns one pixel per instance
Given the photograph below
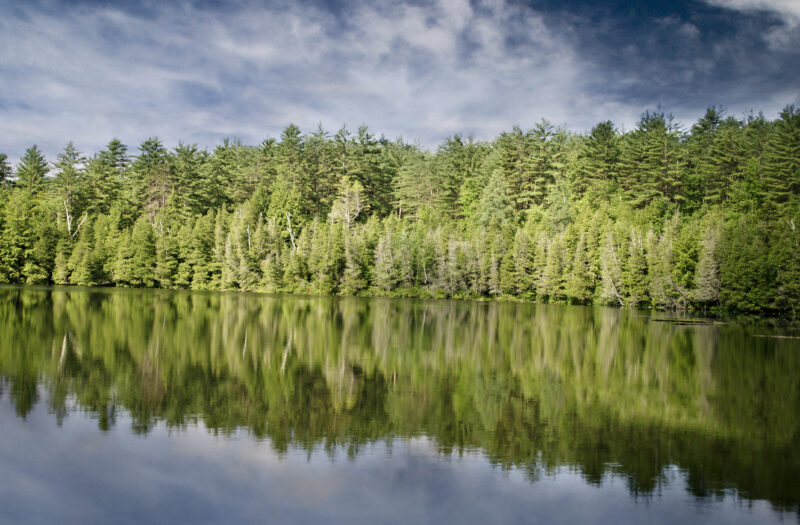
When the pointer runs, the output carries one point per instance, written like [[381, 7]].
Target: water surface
[[127, 405]]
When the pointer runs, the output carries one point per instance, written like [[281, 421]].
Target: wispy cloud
[[790, 9], [782, 36], [89, 72]]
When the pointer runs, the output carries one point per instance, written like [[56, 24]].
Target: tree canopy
[[660, 215]]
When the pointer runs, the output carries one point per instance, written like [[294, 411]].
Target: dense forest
[[661, 215]]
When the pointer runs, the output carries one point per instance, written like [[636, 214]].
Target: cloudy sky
[[198, 72]]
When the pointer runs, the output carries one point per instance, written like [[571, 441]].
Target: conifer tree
[[551, 283], [785, 257], [5, 169], [578, 286], [495, 206], [654, 216], [349, 203], [634, 274], [144, 254], [745, 274], [31, 170], [124, 269], [106, 174], [706, 280], [81, 268], [69, 188], [782, 157], [611, 271]]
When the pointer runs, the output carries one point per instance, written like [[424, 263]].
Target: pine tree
[[746, 274], [18, 234], [320, 158], [541, 164], [552, 282], [144, 254], [106, 174], [785, 257], [353, 278], [599, 161], [706, 280], [384, 275], [459, 165], [167, 256], [61, 270], [513, 153], [69, 188], [611, 271], [82, 266], [782, 157], [421, 185], [652, 160], [124, 269], [495, 206], [634, 275], [349, 204], [522, 254], [151, 176], [31, 170], [184, 244], [5, 169], [193, 194], [578, 286]]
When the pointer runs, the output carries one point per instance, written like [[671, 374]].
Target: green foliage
[[658, 216], [5, 169], [746, 273], [603, 392], [31, 170]]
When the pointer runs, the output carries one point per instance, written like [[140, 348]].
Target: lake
[[157, 406]]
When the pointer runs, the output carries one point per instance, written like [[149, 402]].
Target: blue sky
[[198, 72]]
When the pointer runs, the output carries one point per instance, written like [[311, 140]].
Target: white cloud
[[422, 72], [790, 9], [784, 37], [180, 72]]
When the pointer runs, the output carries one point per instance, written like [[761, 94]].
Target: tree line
[[661, 216]]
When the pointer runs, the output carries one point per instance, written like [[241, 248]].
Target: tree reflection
[[535, 387]]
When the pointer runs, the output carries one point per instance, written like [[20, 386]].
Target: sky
[[200, 72]]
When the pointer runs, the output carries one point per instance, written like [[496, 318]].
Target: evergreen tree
[[420, 184], [634, 274], [31, 170], [106, 175], [782, 157], [81, 268], [69, 188], [18, 234], [144, 254], [578, 286], [745, 274], [151, 175], [655, 216], [495, 206], [785, 257], [349, 203], [611, 271], [706, 280], [652, 160], [5, 169], [599, 161]]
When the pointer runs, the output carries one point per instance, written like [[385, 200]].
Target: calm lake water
[[129, 406]]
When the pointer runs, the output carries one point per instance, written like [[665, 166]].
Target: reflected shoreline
[[533, 387]]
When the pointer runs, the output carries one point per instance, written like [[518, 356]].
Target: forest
[[662, 216]]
